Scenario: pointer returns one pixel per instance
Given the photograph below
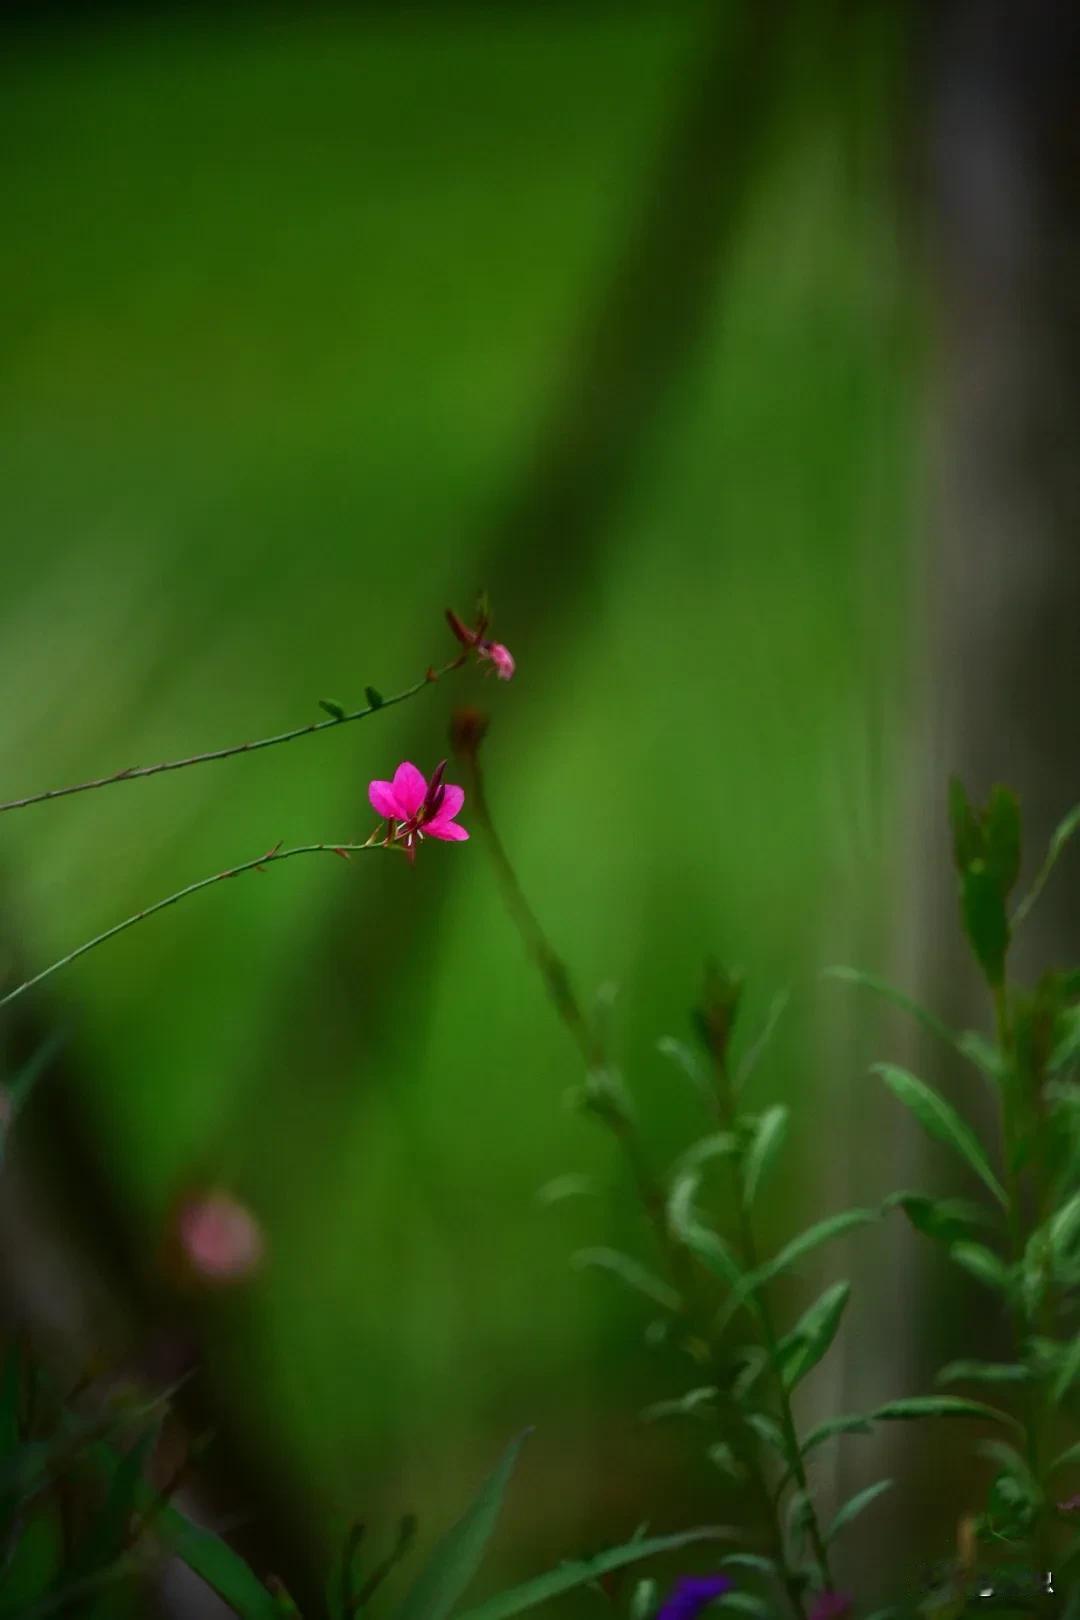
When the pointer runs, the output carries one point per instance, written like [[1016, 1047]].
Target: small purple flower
[[831, 1606], [691, 1594]]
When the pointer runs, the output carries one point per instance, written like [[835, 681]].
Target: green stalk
[[726, 1110], [1033, 1399], [132, 773], [257, 865], [675, 1259]]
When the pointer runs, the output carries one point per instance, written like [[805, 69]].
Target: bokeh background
[[732, 349]]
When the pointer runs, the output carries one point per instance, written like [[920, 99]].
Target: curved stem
[[257, 865], [132, 773]]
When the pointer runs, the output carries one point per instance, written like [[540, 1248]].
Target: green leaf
[[947, 1220], [767, 1141], [696, 1403], [941, 1121], [984, 1372], [966, 830], [1067, 1372], [723, 1457], [881, 987], [934, 1406], [745, 1603], [1001, 835], [579, 1572], [767, 1429], [108, 1534], [631, 1273], [1064, 1227], [854, 1423], [983, 1264], [336, 711], [706, 1244], [744, 1560], [375, 699], [986, 921], [205, 1553], [810, 1338], [805, 1242], [856, 1505], [1066, 1458], [720, 1145], [644, 1600], [574, 1184], [459, 1554], [21, 1087], [685, 1058], [756, 1050], [1061, 836]]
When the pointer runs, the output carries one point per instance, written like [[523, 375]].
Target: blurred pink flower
[[500, 656], [831, 1606], [220, 1240], [416, 808]]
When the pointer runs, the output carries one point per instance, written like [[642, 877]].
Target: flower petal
[[452, 800], [384, 801], [410, 786], [451, 831]]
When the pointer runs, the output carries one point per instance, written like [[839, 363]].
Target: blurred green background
[[316, 321]]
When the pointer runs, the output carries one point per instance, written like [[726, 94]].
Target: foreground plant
[[1021, 1240], [715, 1288]]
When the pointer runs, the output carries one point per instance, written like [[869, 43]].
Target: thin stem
[[257, 865], [1022, 1323], [726, 1111], [678, 1263], [132, 773]]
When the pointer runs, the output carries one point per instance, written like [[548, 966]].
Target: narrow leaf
[[947, 1220], [768, 1139], [983, 1264], [336, 711], [986, 922], [706, 1244], [941, 1121], [1061, 835], [854, 1423], [685, 1058], [374, 698], [933, 1406], [457, 1557], [579, 1572], [1068, 1371], [631, 1273], [856, 1505], [984, 1372], [800, 1246], [756, 1050], [810, 1338]]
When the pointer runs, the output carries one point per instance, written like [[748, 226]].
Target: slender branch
[[726, 1110], [257, 865], [133, 772], [678, 1263]]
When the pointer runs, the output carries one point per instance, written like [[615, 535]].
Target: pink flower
[[416, 809], [219, 1239], [500, 656]]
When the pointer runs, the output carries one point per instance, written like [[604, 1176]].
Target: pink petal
[[384, 801], [410, 786], [503, 660], [452, 800], [451, 831]]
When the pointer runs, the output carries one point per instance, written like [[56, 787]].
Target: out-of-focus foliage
[[287, 302]]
